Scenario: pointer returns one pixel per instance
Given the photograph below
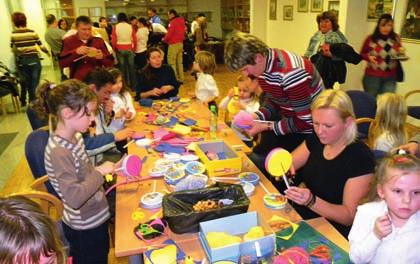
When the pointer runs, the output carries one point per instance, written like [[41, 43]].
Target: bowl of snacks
[[250, 177]]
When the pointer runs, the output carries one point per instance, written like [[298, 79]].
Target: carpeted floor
[[5, 140]]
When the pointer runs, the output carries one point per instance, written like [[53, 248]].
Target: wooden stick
[[84, 56], [265, 188], [284, 177], [154, 186], [129, 142], [262, 121]]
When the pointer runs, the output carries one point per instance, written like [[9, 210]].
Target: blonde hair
[[391, 115], [341, 102], [406, 163], [206, 61], [244, 78]]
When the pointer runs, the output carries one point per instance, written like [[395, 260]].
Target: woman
[[62, 24], [25, 43], [335, 168], [200, 33], [157, 80], [379, 50], [142, 35], [319, 45]]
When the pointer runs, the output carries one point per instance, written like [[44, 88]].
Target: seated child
[[384, 231], [246, 99]]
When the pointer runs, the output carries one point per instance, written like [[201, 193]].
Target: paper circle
[[278, 161], [131, 165], [195, 167], [275, 201]]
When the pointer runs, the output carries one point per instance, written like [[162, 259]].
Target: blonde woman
[[391, 115], [336, 169]]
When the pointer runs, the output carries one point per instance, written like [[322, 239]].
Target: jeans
[[29, 69], [379, 85], [175, 54], [126, 65]]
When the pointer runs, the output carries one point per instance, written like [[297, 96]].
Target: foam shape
[[181, 129], [278, 162], [166, 254], [243, 120], [131, 165], [254, 232], [144, 142], [221, 239], [138, 135]]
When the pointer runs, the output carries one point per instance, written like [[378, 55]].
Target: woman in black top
[[335, 168], [156, 80]]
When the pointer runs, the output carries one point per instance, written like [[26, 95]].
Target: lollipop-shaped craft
[[278, 162], [243, 120], [131, 166]]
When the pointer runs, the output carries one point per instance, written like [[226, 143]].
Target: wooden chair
[[413, 110], [369, 137]]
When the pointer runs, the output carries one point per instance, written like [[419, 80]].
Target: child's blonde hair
[[341, 102], [406, 163], [391, 115], [206, 61], [243, 78]]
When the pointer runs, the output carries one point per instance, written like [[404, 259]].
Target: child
[[384, 231], [73, 106], [123, 102], [246, 99], [27, 235], [389, 131], [205, 88]]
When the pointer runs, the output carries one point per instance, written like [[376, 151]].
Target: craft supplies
[[192, 182], [195, 167], [275, 201], [221, 239], [152, 200], [254, 232], [250, 177], [248, 188], [151, 230], [278, 162]]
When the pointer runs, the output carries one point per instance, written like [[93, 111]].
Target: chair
[[8, 85], [35, 146], [34, 120], [413, 111], [366, 120], [364, 105]]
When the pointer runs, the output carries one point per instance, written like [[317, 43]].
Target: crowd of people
[[333, 173]]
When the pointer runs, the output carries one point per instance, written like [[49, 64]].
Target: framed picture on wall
[[273, 9], [83, 11], [302, 6], [316, 6], [334, 6], [378, 7], [410, 30], [288, 12]]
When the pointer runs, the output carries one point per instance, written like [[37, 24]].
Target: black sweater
[[160, 77]]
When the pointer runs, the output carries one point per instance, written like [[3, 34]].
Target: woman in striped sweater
[[24, 43]]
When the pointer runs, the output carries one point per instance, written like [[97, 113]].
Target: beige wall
[[294, 35]]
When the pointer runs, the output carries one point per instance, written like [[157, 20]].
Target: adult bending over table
[[290, 83], [333, 165], [156, 80]]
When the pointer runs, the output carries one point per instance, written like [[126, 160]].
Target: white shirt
[[194, 26], [401, 246], [251, 105], [385, 142], [159, 28], [142, 36], [121, 102], [205, 87]]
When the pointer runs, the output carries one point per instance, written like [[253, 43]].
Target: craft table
[[128, 197]]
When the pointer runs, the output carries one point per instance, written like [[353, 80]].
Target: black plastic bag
[[178, 206]]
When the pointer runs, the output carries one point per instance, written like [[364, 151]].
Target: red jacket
[[176, 31], [80, 68]]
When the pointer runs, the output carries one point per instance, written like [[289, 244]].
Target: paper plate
[[131, 165], [189, 157], [163, 163], [172, 156], [151, 200], [250, 177], [232, 106], [173, 176], [275, 201], [278, 162], [248, 188], [195, 167], [158, 171]]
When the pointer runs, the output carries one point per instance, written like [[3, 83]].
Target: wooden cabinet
[[235, 15]]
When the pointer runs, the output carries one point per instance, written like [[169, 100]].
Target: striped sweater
[[77, 182], [24, 43], [291, 84]]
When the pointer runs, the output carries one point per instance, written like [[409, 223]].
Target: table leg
[[136, 259]]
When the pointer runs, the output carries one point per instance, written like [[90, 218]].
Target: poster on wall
[[273, 9], [288, 12], [378, 7], [411, 25], [302, 6], [334, 6]]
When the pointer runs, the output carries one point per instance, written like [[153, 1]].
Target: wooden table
[[128, 197]]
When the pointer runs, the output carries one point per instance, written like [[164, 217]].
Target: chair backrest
[[35, 146], [371, 122], [413, 110], [34, 120], [50, 205], [364, 105]]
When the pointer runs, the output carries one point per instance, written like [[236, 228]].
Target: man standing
[[290, 82], [82, 52], [103, 23], [154, 18], [175, 39], [54, 38]]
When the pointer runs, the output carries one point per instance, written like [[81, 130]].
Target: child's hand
[[123, 134], [120, 114], [128, 115], [383, 226], [108, 106], [231, 93], [106, 167]]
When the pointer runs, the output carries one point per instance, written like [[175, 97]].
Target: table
[[128, 197]]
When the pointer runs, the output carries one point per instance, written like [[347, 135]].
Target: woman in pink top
[[124, 42]]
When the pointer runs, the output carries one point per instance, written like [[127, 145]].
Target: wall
[[214, 27], [258, 20], [89, 3], [5, 30]]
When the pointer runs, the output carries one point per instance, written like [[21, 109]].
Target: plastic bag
[[178, 206]]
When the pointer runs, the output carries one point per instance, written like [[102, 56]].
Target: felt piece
[[172, 122], [189, 122], [146, 102], [168, 148], [243, 120]]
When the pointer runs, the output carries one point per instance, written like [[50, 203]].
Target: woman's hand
[[166, 88], [372, 59], [299, 195], [383, 226], [106, 167], [154, 92]]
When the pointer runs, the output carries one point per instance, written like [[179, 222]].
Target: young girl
[[389, 131], [205, 88], [123, 102], [72, 105], [384, 231], [245, 99]]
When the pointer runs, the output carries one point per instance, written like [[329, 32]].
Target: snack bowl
[[173, 176], [250, 177], [164, 163], [151, 200], [195, 167], [158, 171], [248, 187], [275, 201]]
